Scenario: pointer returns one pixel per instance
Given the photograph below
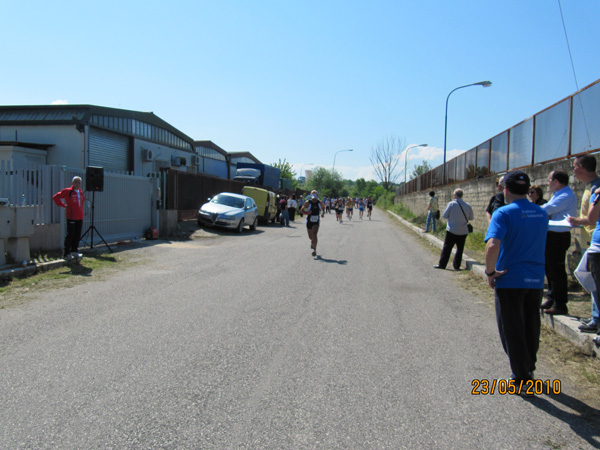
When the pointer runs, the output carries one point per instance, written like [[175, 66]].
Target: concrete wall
[[46, 237], [479, 191]]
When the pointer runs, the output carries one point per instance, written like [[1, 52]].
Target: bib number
[[314, 218]]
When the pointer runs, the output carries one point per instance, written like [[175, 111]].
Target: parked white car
[[227, 210]]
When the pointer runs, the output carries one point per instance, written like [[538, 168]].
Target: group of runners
[[315, 209], [349, 205]]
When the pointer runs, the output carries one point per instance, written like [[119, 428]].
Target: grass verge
[[13, 292]]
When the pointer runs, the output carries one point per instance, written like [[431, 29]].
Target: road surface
[[248, 342]]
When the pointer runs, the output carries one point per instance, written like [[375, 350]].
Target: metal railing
[[568, 128]]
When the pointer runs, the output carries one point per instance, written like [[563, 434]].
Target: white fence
[[122, 211]]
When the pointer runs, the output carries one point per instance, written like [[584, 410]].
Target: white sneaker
[[68, 257], [79, 255]]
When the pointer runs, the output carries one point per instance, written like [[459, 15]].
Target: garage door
[[109, 150]]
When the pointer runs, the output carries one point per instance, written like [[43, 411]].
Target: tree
[[420, 170], [286, 169], [326, 183], [385, 157], [360, 188]]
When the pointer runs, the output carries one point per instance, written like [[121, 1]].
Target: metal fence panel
[[122, 211], [585, 128]]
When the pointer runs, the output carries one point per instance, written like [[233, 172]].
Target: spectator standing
[[292, 206], [285, 216], [584, 169], [536, 195], [72, 199], [562, 205], [457, 213], [497, 199], [433, 208], [514, 265]]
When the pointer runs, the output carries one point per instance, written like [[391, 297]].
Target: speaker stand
[[93, 228]]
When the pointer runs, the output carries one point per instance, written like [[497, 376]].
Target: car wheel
[[253, 226], [240, 227]]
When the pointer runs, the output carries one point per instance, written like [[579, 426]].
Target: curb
[[566, 326], [31, 269]]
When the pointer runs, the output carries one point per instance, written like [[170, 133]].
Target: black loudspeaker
[[94, 179]]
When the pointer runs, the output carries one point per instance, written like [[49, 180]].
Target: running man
[[349, 208], [369, 207], [361, 208], [313, 209], [339, 209]]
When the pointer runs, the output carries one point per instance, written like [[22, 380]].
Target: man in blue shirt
[[514, 262], [563, 204]]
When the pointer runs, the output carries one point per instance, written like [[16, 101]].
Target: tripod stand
[[92, 227]]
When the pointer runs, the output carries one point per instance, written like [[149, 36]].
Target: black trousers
[[557, 244], [450, 240], [518, 317], [73, 236]]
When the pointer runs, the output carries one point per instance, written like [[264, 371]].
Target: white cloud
[[60, 102]]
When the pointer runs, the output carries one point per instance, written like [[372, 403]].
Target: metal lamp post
[[406, 155], [480, 83], [333, 168]]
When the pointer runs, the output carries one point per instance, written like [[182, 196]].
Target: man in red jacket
[[72, 199]]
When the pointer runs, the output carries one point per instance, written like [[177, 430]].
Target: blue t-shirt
[[521, 227]]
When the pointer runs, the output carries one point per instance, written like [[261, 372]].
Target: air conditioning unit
[[195, 160], [178, 161], [147, 155]]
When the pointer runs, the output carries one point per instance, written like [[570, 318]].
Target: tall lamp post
[[480, 83], [406, 155], [333, 168]]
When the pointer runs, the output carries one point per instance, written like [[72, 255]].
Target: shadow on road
[[583, 419], [342, 262]]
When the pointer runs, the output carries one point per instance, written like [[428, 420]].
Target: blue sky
[[302, 80]]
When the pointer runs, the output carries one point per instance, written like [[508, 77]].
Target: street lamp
[[481, 83], [406, 155], [332, 169]]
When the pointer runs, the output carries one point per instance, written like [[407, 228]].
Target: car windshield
[[228, 200]]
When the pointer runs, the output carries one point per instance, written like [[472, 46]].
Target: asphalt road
[[248, 342]]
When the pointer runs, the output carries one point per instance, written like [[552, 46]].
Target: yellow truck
[[266, 203]]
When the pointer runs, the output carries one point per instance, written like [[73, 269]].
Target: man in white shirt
[[457, 213], [562, 205]]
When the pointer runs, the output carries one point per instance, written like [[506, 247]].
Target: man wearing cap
[[514, 265], [314, 209], [563, 204]]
